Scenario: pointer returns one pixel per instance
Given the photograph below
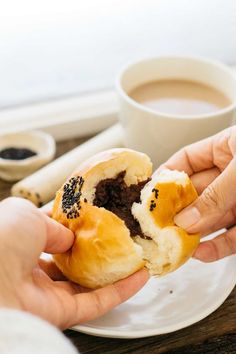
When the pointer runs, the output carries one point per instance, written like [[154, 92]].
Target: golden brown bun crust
[[103, 251], [172, 198]]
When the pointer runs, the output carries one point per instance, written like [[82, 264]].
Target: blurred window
[[52, 48]]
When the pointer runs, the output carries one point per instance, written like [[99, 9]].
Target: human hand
[[211, 165], [33, 285]]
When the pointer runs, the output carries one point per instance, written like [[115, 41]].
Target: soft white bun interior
[[169, 246]]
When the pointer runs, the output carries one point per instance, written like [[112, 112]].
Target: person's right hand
[[211, 164]]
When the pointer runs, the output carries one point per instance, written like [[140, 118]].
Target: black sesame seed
[[152, 205], [155, 191], [85, 200], [71, 197]]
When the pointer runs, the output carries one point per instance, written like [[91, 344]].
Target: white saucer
[[170, 303]]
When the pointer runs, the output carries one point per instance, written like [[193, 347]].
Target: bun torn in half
[[122, 217]]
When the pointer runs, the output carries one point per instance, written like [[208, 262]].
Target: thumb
[[215, 201], [59, 238]]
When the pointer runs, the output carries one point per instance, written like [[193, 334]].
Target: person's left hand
[[33, 285]]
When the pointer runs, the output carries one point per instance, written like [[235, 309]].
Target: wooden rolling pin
[[41, 186]]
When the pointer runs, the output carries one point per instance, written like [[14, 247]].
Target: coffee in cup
[[172, 101], [180, 97]]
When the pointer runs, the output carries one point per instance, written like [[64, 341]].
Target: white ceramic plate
[[170, 303]]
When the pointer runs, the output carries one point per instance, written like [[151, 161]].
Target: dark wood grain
[[214, 334]]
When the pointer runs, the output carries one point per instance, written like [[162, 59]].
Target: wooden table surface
[[214, 334]]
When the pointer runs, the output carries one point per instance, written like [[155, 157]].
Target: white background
[[52, 48]]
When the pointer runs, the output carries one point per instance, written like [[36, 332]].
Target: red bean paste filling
[[113, 194]]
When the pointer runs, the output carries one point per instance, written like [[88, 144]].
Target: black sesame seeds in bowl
[[16, 153], [21, 154]]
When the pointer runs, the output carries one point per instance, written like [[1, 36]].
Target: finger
[[59, 238], [225, 222], [192, 158], [70, 287], [212, 205], [60, 244], [216, 150], [202, 179], [220, 247], [50, 268], [37, 231], [96, 303]]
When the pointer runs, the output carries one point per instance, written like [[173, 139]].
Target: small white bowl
[[43, 144]]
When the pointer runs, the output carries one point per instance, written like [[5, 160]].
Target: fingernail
[[187, 217]]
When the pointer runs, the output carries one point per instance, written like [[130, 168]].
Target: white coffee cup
[[158, 134]]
